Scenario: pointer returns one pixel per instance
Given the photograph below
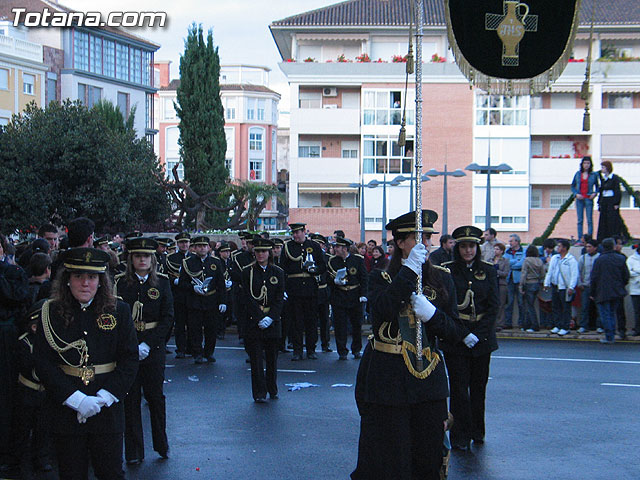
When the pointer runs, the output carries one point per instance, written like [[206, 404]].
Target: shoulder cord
[[80, 345], [468, 300], [263, 290], [291, 257], [190, 273]]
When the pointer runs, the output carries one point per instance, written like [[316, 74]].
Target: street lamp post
[[488, 170], [360, 186], [435, 173], [402, 178], [373, 184]]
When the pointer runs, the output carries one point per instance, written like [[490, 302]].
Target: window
[[109, 54], [261, 107], [148, 111], [385, 108], [28, 83], [230, 105], [169, 109], [382, 154], [563, 101], [536, 198], [255, 170], [310, 100], [480, 219], [135, 65], [4, 79], [349, 149], [172, 162], [309, 151], [536, 149], [89, 95], [229, 134], [627, 202], [123, 104], [122, 62], [558, 197], [4, 121], [80, 50], [147, 66], [95, 64], [274, 113], [619, 100], [251, 108], [561, 149], [256, 141], [501, 110], [52, 87], [536, 102], [274, 168], [256, 154]]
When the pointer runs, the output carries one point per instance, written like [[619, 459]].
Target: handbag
[[568, 297]]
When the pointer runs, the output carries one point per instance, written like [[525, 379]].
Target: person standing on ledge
[[585, 186], [609, 223]]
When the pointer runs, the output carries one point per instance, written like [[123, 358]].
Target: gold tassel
[[402, 137], [586, 120], [136, 311], [410, 61]]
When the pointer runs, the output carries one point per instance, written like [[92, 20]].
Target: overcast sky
[[240, 28]]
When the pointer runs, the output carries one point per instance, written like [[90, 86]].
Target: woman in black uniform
[[263, 283], [86, 356], [468, 364], [402, 407], [148, 293]]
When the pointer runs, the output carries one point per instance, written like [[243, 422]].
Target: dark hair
[[265, 235], [79, 230], [458, 258], [444, 239], [63, 301], [373, 241], [379, 249], [608, 244], [607, 163], [549, 243], [131, 277], [590, 162], [430, 276], [532, 251], [233, 245], [617, 238], [47, 227], [38, 263], [492, 231], [593, 242], [565, 243], [501, 246]]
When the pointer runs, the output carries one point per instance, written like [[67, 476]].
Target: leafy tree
[[67, 161], [202, 140]]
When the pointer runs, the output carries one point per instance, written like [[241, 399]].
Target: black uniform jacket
[[324, 291], [300, 282], [173, 267], [484, 284], [265, 296], [161, 259], [157, 306], [348, 295], [194, 267], [383, 378], [31, 397], [110, 338]]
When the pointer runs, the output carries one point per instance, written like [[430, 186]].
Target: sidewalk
[[591, 336]]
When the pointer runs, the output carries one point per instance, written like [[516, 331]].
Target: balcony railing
[[20, 48]]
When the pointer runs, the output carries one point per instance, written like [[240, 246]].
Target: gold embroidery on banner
[[153, 293], [511, 27], [432, 358], [106, 321]]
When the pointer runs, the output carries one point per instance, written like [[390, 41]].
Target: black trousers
[[468, 378], [324, 324], [400, 442], [200, 321], [343, 318], [262, 383], [75, 451], [149, 381], [180, 326], [31, 427], [304, 312]]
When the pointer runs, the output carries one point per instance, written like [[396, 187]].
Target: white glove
[[107, 397], [470, 340], [285, 295], [363, 299], [423, 307], [198, 289], [90, 406], [416, 258], [143, 351], [222, 308], [265, 322], [228, 283], [341, 276], [175, 281]]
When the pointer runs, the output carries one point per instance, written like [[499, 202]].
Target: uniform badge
[[153, 293], [106, 321], [309, 250], [353, 271], [430, 293], [274, 280], [386, 276], [479, 275], [213, 266]]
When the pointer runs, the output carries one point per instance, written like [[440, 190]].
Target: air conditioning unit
[[329, 92]]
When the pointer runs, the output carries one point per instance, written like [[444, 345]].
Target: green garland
[[565, 206]]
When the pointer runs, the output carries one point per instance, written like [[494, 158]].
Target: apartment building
[[251, 119], [347, 81], [92, 63]]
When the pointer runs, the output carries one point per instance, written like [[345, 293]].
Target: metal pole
[[411, 178], [418, 153], [361, 212], [384, 212], [487, 218], [445, 224]]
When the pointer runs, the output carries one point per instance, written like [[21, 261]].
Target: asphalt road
[[555, 410]]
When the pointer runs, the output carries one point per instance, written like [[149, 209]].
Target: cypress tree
[[202, 140]]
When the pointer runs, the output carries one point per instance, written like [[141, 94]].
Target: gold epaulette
[[163, 275], [450, 262], [24, 335], [439, 267], [357, 255]]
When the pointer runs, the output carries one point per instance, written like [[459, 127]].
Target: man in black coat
[[173, 267], [445, 252], [609, 278]]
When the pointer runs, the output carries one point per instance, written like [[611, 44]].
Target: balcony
[[20, 48], [327, 170], [552, 171], [558, 122], [325, 121]]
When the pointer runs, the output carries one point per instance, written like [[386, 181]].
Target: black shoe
[[180, 355], [342, 357], [463, 447], [312, 356], [478, 441], [260, 400], [164, 454], [274, 396], [357, 355], [327, 349], [167, 351], [296, 357], [198, 359], [247, 360], [45, 467], [134, 461], [211, 359]]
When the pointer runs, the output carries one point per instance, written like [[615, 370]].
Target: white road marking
[[619, 385], [553, 359], [292, 371]]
